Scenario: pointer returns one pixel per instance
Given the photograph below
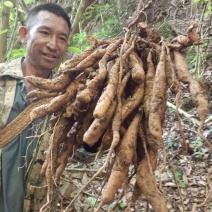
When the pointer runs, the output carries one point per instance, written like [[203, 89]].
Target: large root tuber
[[124, 157], [113, 86]]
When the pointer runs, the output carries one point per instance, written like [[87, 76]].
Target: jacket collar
[[13, 69]]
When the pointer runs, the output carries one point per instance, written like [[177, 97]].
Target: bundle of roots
[[115, 92]]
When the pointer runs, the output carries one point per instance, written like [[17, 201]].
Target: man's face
[[46, 41]]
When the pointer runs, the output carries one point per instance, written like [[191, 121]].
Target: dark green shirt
[[16, 156]]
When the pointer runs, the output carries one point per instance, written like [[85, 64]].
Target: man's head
[[46, 38], [49, 7]]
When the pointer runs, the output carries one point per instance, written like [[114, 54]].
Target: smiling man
[[46, 38]]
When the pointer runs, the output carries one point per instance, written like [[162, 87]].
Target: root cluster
[[115, 93]]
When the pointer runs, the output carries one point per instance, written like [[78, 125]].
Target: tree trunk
[[84, 4], [4, 25]]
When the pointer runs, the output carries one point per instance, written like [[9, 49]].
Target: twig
[[198, 67], [203, 137], [182, 112], [38, 136], [24, 6], [139, 14], [141, 134], [81, 170], [13, 34], [179, 121], [175, 179], [207, 197], [117, 201], [163, 167]]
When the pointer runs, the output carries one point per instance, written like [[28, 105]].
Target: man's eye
[[44, 32], [63, 39]]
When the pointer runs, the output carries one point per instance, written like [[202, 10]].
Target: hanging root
[[199, 97], [124, 158], [157, 107], [113, 94]]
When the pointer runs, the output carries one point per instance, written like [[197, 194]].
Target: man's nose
[[52, 43]]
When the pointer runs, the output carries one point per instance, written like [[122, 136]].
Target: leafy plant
[[169, 142], [92, 201], [199, 151], [80, 40], [120, 206], [180, 182], [8, 4], [208, 6], [74, 49], [21, 52], [3, 31]]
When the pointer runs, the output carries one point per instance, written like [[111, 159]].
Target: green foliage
[[8, 4], [106, 32], [74, 49], [105, 22], [210, 208], [170, 110], [92, 201], [199, 150], [196, 55], [21, 52], [98, 10], [170, 143], [73, 194], [3, 31], [28, 1], [80, 39], [208, 6], [165, 30], [179, 180], [120, 206]]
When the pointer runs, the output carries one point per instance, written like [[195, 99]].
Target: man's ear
[[23, 34]]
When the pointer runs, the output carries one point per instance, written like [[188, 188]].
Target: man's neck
[[28, 70]]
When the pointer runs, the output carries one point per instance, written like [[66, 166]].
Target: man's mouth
[[49, 55]]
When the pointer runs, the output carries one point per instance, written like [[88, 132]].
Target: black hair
[[52, 8]]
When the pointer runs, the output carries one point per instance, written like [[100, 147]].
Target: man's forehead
[[44, 15], [47, 18]]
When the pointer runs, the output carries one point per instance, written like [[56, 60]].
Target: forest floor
[[184, 178]]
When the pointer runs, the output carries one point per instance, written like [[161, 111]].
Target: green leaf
[[177, 175], [179, 181], [206, 14], [91, 201], [28, 1], [181, 184], [73, 194], [74, 49], [17, 53], [122, 205], [112, 204], [3, 31], [8, 4]]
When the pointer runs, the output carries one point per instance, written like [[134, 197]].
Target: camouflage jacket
[[35, 191]]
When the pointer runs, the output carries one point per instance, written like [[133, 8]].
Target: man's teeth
[[50, 56]]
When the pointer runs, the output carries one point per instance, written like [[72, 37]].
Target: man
[[46, 38]]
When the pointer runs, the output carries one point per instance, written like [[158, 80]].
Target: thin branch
[[182, 112], [207, 197], [175, 179], [12, 37]]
